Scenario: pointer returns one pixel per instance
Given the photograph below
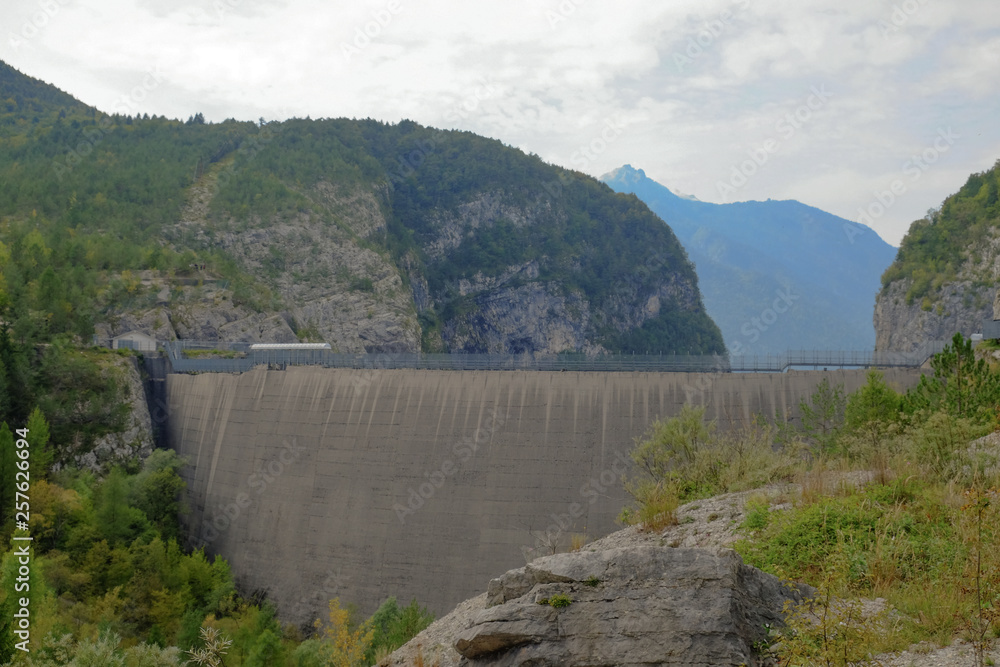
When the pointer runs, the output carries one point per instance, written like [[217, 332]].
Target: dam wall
[[317, 483]]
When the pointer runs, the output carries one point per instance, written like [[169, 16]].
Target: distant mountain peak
[[625, 173], [748, 253], [629, 175]]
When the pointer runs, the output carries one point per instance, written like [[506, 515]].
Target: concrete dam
[[317, 483]]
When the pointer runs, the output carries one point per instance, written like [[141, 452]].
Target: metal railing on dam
[[220, 357]]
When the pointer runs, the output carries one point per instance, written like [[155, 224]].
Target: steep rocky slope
[[944, 279]]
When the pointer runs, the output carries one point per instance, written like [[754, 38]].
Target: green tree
[[38, 436], [394, 626], [823, 414], [16, 381], [872, 409], [962, 385], [673, 443], [156, 491], [118, 522], [266, 651]]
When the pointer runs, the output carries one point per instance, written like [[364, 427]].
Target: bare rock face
[[996, 306], [902, 327], [641, 605], [524, 319]]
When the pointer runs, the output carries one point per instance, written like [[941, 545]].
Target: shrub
[[657, 502], [559, 600], [758, 513], [687, 454]]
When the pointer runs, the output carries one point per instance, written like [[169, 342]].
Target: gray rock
[[630, 606], [901, 327], [532, 318]]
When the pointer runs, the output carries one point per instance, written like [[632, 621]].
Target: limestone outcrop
[[904, 327], [638, 605]]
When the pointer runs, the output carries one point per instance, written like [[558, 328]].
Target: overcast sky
[[835, 103]]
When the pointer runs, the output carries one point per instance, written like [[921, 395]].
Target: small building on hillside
[[134, 340]]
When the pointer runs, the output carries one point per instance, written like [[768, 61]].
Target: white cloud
[[694, 84]]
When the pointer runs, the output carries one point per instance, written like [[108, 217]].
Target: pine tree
[[114, 515], [823, 414], [962, 385], [38, 436]]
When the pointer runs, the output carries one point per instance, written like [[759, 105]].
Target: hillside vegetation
[[898, 499], [935, 249], [374, 237], [947, 271]]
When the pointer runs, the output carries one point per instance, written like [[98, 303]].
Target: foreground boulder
[[641, 605]]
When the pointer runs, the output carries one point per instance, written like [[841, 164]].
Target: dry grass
[[658, 505]]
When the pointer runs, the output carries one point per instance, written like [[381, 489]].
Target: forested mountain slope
[[369, 236]]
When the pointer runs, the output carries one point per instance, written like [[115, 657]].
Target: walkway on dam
[[222, 357]]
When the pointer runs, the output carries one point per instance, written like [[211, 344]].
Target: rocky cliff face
[[473, 247], [331, 284], [639, 605], [901, 327], [134, 442], [960, 304]]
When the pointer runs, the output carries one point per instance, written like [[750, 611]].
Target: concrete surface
[[317, 483]]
